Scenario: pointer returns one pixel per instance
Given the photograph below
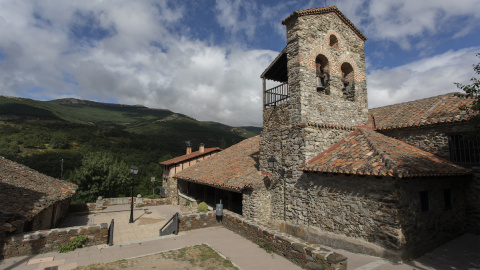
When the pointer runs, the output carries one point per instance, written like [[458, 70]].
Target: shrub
[[187, 202], [77, 242], [202, 207]]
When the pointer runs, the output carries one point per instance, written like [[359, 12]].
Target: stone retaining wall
[[89, 207], [306, 254], [194, 221], [49, 240]]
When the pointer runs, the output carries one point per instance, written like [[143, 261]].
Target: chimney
[[189, 147], [201, 149]]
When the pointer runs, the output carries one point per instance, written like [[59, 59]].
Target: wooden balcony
[[276, 95]]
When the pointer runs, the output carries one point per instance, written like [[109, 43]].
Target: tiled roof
[[439, 109], [25, 192], [234, 168], [366, 152], [323, 10], [190, 156]]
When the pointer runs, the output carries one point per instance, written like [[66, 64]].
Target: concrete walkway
[[142, 239]]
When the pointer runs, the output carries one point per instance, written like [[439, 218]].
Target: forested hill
[[41, 133]]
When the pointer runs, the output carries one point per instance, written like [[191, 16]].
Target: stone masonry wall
[[424, 231], [433, 139], [256, 204], [171, 190], [382, 211], [292, 147], [473, 202], [306, 254], [194, 221], [308, 37], [49, 240]]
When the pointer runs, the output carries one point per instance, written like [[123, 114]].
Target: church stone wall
[[433, 139], [385, 212], [256, 204], [424, 231]]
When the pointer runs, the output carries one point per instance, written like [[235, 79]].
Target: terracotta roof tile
[[25, 192], [234, 168], [439, 109], [190, 156], [366, 152], [323, 10]]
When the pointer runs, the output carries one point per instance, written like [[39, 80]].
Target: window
[[333, 41], [447, 198], [424, 201], [463, 149]]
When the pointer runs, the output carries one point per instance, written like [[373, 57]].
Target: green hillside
[[85, 134]]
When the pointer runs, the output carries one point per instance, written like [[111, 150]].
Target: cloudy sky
[[204, 58]]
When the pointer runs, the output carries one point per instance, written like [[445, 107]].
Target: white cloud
[[401, 20], [423, 78], [137, 56], [238, 16]]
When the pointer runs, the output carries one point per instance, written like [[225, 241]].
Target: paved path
[[462, 253]]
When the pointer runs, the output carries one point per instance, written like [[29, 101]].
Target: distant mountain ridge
[[73, 101], [137, 118]]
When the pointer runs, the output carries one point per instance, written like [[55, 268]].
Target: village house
[[29, 200], [387, 181], [176, 165]]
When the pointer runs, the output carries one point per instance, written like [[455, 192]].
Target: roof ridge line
[[437, 103], [389, 163], [333, 147]]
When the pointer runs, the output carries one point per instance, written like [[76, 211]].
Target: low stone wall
[[89, 207], [194, 221], [306, 254], [144, 201], [49, 240]]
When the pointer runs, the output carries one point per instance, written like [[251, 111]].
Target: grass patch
[[199, 256]]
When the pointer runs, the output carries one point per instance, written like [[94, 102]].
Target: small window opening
[[333, 41], [463, 149], [322, 74], [447, 198], [424, 201], [348, 83]]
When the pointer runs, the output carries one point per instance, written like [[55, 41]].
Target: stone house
[[176, 165], [30, 200], [385, 182]]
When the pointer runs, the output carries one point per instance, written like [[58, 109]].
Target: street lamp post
[[153, 181], [133, 171]]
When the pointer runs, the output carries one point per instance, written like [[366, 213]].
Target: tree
[[473, 91], [101, 175]]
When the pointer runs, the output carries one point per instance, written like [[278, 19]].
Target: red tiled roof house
[[176, 165]]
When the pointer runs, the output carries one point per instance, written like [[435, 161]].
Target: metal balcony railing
[[276, 95]]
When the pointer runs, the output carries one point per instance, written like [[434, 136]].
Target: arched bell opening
[[322, 74], [348, 82]]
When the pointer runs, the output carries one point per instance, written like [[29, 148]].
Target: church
[[395, 181]]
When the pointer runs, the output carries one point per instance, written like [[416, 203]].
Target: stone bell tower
[[323, 95]]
